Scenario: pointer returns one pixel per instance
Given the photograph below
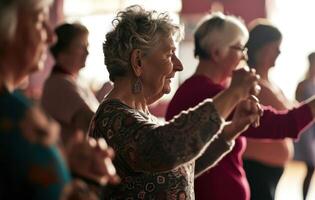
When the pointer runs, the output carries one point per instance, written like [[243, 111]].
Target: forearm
[[179, 141], [282, 124], [311, 103], [212, 155]]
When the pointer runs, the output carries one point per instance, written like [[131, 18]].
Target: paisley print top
[[157, 161]]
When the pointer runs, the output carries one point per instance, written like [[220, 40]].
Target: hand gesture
[[36, 127], [91, 159], [245, 81], [247, 112]]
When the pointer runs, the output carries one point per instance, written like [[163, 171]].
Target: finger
[[114, 179], [260, 110], [256, 122], [246, 68], [256, 115], [255, 89], [110, 167], [110, 152], [92, 142], [257, 76], [252, 70], [253, 98], [105, 172], [104, 150], [104, 180], [102, 143]]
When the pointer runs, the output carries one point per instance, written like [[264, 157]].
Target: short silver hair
[[8, 14], [218, 31], [135, 28]]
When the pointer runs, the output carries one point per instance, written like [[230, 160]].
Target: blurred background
[[294, 19]]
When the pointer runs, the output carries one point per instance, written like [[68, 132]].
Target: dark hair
[[260, 34], [66, 33], [311, 57]]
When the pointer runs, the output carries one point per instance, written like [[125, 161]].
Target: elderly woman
[[31, 164], [264, 161], [156, 161], [66, 100], [220, 46]]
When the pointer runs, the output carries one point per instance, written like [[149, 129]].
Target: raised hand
[[245, 81], [247, 112]]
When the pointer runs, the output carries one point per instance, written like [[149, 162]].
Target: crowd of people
[[73, 146]]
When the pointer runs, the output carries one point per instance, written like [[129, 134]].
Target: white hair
[[8, 14], [218, 31]]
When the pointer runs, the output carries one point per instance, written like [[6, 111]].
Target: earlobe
[[135, 61]]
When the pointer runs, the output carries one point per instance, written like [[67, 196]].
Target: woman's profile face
[[235, 53], [33, 35], [159, 67], [77, 52], [270, 52]]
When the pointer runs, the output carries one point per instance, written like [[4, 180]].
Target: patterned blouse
[[157, 161]]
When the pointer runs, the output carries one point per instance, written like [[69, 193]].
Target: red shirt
[[227, 180]]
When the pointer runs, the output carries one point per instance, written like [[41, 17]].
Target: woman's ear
[[216, 54], [135, 61]]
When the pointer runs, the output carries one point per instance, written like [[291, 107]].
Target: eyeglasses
[[243, 49]]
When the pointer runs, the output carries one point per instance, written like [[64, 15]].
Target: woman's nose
[[244, 56], [177, 64], [51, 37]]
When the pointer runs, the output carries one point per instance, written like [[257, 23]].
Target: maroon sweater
[[227, 180]]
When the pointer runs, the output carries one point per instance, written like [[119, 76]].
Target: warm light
[[295, 19], [97, 16]]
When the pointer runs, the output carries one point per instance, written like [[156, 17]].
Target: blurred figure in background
[[31, 163], [305, 146], [264, 161], [220, 46], [31, 168], [104, 90], [68, 102]]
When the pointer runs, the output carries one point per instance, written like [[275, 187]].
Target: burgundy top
[[227, 180]]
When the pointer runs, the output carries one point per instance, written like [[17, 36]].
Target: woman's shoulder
[[113, 105], [113, 109], [56, 79]]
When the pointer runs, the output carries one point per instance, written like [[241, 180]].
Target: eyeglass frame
[[243, 49]]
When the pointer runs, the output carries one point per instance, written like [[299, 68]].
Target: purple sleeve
[[281, 124]]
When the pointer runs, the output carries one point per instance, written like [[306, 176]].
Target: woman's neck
[[123, 92], [212, 71], [66, 68], [263, 72]]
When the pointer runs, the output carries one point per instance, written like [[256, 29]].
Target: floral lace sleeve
[[147, 146]]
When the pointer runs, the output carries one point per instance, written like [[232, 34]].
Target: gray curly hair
[[135, 28]]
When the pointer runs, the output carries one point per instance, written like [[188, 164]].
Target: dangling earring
[[137, 86]]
